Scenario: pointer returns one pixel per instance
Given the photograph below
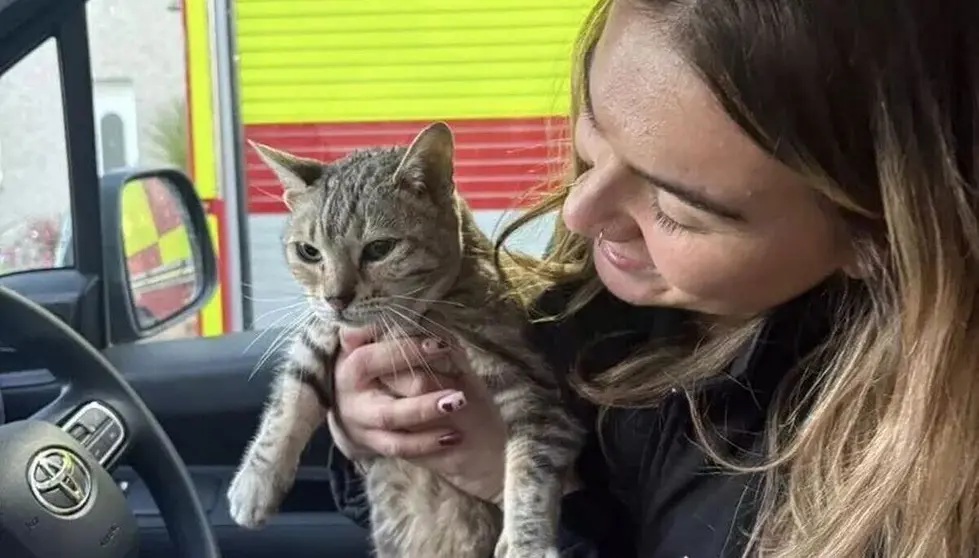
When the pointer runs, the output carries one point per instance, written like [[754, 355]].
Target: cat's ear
[[428, 162], [297, 174]]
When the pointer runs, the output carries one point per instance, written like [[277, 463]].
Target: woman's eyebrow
[[690, 195]]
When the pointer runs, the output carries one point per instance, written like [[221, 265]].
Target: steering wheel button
[[112, 431], [79, 432], [93, 418], [102, 445]]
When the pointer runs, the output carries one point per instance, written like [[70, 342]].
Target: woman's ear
[[862, 258], [854, 270]]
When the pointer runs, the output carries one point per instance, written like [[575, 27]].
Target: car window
[[34, 187]]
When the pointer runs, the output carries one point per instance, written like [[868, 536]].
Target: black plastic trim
[[76, 87], [25, 25], [73, 297], [161, 371]]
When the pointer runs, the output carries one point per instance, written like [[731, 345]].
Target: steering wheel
[[57, 498]]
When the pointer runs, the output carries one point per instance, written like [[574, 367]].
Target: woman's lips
[[616, 256]]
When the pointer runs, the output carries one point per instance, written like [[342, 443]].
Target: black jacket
[[654, 494]]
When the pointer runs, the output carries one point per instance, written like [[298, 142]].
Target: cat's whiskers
[[304, 317], [429, 301], [274, 299], [293, 309], [280, 309], [399, 310], [402, 308], [400, 332], [388, 333], [425, 365], [284, 338]]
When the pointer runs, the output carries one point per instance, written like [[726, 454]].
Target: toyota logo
[[60, 481]]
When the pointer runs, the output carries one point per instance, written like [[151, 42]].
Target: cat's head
[[376, 233]]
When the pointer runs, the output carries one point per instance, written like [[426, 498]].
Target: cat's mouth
[[369, 312], [350, 316], [326, 313]]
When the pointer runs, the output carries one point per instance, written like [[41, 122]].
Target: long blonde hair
[[877, 103]]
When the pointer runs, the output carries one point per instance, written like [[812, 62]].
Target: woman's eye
[[308, 253], [378, 249]]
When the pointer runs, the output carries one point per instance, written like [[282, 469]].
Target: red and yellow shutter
[[322, 78]]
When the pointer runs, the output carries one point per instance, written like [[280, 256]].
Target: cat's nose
[[340, 301]]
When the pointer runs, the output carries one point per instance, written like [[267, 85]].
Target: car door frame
[[76, 293]]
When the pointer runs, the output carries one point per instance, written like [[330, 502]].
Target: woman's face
[[684, 209]]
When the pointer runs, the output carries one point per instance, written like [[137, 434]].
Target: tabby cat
[[382, 237]]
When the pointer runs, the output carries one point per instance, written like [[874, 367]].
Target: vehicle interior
[[112, 446]]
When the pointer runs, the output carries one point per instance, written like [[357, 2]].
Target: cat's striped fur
[[408, 194]]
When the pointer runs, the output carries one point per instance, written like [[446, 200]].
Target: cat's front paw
[[253, 497]]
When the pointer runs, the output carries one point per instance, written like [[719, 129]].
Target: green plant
[[168, 134]]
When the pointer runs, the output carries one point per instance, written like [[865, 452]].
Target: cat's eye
[[378, 249], [308, 253]]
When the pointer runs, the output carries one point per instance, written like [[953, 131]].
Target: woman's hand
[[416, 398]]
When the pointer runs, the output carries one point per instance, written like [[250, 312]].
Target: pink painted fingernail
[[453, 402], [450, 439]]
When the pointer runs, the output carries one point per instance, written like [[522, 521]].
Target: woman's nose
[[592, 203]]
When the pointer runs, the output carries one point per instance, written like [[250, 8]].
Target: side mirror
[[160, 265]]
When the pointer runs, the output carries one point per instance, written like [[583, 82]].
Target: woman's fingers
[[390, 399], [417, 382], [388, 413], [351, 338], [410, 444], [366, 363], [343, 442]]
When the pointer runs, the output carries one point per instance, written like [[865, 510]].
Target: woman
[[772, 318]]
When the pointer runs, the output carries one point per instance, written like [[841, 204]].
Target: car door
[[207, 392]]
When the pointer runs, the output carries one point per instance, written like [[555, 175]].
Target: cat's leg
[[388, 489], [417, 514], [296, 408], [542, 445]]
